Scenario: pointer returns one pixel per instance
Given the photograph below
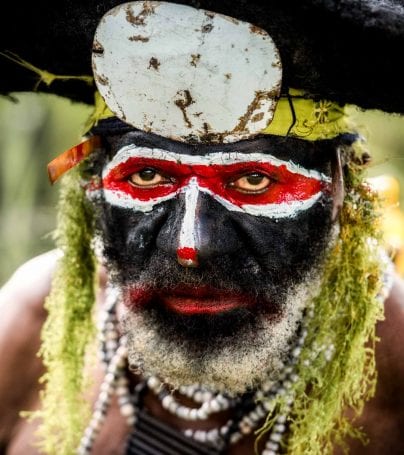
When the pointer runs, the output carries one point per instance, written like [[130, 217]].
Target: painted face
[[211, 243]]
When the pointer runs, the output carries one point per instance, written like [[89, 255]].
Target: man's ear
[[337, 188]]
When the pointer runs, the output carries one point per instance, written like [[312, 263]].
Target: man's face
[[215, 249]]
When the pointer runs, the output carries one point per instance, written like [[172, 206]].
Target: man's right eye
[[148, 178]]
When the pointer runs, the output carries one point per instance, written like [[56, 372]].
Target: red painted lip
[[194, 306], [189, 300]]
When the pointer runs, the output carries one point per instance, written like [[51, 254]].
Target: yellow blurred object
[[392, 220]]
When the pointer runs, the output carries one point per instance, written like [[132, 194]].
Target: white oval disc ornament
[[185, 73]]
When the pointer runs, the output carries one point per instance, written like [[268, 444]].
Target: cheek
[[129, 236], [289, 246]]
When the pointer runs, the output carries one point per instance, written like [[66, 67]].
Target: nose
[[199, 229]]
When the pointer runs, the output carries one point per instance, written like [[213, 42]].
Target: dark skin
[[22, 307]]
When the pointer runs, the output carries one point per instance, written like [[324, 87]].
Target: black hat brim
[[344, 51]]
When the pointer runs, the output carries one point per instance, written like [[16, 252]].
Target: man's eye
[[251, 183], [148, 177]]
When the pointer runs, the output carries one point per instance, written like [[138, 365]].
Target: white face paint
[[193, 174], [177, 71], [188, 228]]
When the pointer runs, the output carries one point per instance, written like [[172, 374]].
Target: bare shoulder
[[22, 303], [390, 354], [30, 283], [383, 417], [22, 315]]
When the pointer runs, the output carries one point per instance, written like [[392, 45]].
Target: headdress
[[344, 51], [309, 59]]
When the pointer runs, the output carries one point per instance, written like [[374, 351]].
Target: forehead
[[312, 155]]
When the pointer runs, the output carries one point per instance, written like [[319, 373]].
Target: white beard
[[250, 358]]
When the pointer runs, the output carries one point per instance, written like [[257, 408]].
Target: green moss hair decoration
[[343, 317], [69, 328]]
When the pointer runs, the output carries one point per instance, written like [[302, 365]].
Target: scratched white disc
[[186, 73]]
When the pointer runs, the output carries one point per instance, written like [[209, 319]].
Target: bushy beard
[[234, 351]]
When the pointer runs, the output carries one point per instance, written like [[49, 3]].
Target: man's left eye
[[148, 178], [251, 183]]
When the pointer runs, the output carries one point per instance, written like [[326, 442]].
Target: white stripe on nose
[[187, 253]]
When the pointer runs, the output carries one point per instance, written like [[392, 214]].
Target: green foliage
[[343, 315], [33, 130], [69, 327]]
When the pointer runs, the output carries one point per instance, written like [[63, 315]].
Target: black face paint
[[246, 263]]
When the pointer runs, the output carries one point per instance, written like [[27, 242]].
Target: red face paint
[[284, 187]]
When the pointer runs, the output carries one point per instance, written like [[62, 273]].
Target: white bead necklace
[[114, 357]]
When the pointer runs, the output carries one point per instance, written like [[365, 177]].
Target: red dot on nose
[[187, 256]]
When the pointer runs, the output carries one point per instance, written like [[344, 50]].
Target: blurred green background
[[36, 127]]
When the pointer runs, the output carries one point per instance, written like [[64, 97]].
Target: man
[[241, 275]]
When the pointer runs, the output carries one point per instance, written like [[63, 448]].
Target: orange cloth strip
[[72, 157]]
